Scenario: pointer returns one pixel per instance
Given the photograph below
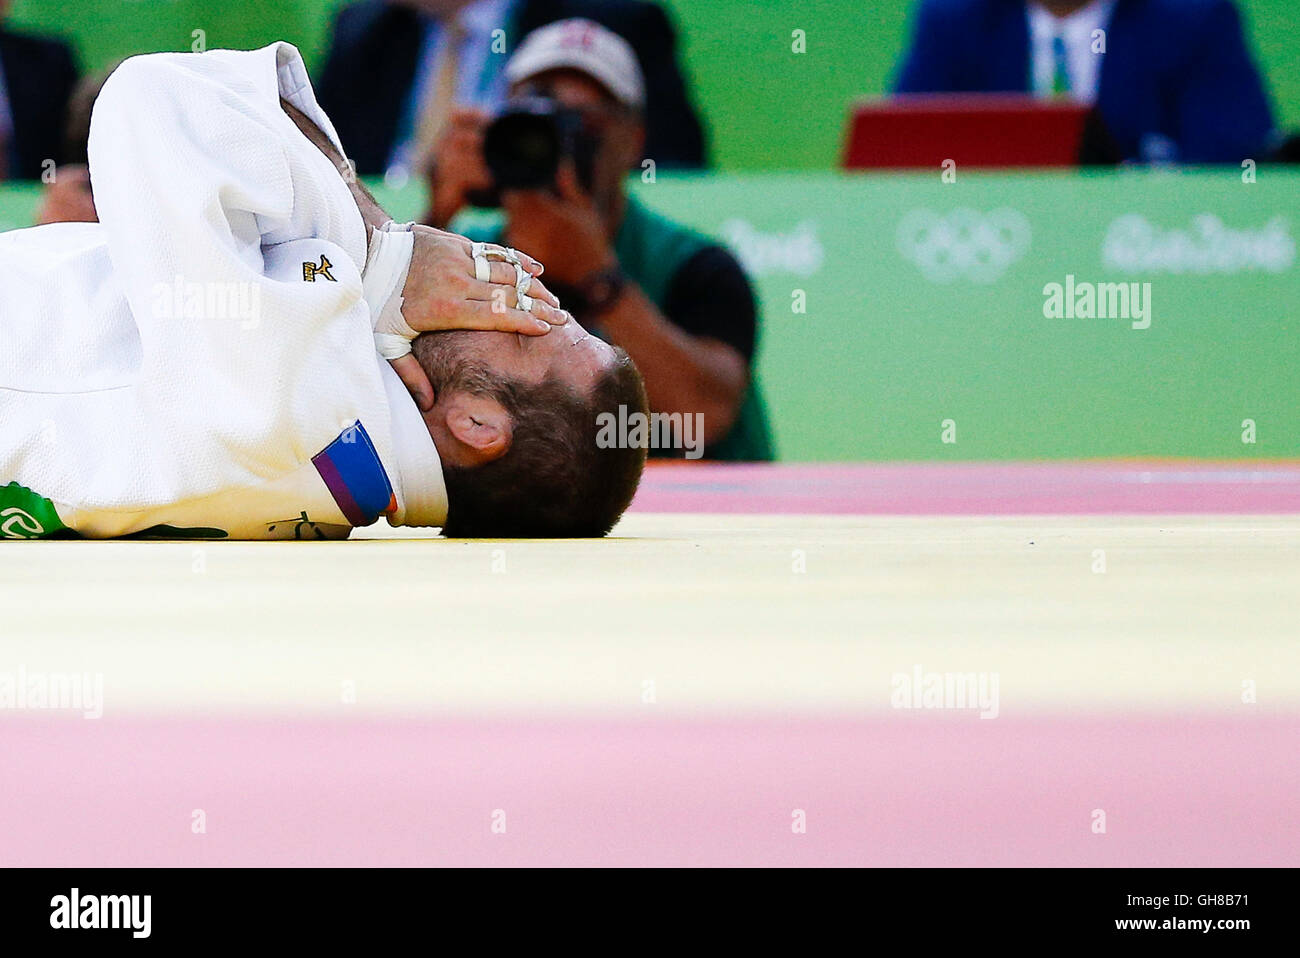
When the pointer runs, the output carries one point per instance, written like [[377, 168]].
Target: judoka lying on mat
[[245, 346]]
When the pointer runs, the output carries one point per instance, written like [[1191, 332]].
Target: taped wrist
[[388, 261]]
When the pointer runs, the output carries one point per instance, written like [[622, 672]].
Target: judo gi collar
[[423, 497]]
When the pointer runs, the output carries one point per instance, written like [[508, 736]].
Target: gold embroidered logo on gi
[[310, 270]]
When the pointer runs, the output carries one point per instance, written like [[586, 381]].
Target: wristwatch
[[602, 289]]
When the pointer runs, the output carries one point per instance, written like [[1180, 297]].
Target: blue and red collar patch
[[355, 477]]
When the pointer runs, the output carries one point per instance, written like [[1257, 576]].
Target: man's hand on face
[[458, 168], [567, 231], [442, 292]]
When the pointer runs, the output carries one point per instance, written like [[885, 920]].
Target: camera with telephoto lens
[[526, 143]]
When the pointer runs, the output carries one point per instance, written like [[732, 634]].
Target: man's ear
[[479, 425]]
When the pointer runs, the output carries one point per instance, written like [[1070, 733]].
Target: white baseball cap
[[584, 45]]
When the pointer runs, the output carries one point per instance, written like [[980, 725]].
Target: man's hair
[[554, 480]]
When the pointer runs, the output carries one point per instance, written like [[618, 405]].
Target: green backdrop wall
[[768, 107]]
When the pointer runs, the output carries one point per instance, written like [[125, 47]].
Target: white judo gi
[[201, 362]]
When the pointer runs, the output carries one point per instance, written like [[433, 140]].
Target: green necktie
[[1060, 68]]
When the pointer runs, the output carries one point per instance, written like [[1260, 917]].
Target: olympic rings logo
[[965, 244]]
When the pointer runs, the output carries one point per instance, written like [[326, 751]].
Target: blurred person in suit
[[1172, 80], [37, 76], [395, 71]]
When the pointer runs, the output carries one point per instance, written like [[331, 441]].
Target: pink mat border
[[1078, 488], [904, 790]]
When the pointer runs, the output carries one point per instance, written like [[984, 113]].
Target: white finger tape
[[492, 251], [392, 345], [523, 282]]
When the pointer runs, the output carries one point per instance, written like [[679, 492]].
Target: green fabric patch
[[25, 515]]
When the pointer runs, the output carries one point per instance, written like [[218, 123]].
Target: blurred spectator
[[395, 70], [678, 303], [67, 197], [1175, 81], [37, 75]]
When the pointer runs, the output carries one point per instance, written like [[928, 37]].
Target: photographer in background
[[555, 160]]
